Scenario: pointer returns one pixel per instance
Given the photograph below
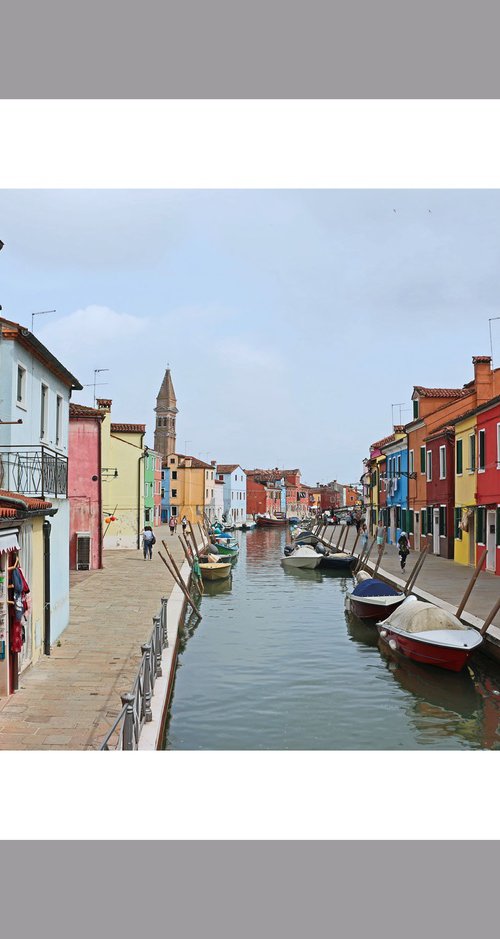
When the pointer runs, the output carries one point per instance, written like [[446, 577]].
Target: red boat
[[270, 521], [427, 634]]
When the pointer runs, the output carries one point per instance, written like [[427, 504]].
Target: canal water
[[276, 663]]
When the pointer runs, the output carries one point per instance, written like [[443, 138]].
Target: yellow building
[[465, 489], [122, 472], [191, 487]]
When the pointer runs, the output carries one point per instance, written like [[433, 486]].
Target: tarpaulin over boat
[[416, 616], [374, 588]]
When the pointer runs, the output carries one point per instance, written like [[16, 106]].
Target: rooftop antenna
[[490, 321], [40, 313], [96, 373], [400, 405]]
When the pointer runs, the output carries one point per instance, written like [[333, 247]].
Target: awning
[[8, 540]]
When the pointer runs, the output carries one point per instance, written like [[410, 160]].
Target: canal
[[276, 663]]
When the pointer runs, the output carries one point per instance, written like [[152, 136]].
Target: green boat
[[229, 547]]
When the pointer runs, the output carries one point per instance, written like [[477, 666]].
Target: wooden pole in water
[[202, 536], [471, 583], [369, 550], [356, 540], [179, 581], [341, 548], [410, 583], [489, 619], [380, 553], [187, 553]]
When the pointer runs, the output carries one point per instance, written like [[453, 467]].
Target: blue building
[[396, 485], [235, 491], [165, 494]]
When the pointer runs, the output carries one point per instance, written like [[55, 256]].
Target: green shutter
[[442, 520], [422, 460], [423, 522], [459, 457], [411, 523], [481, 512], [482, 436], [429, 519], [415, 410]]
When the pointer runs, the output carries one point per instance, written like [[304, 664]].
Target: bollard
[[164, 601], [146, 651], [128, 723], [158, 644]]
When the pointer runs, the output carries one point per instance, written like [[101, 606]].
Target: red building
[[440, 491], [488, 484], [84, 488]]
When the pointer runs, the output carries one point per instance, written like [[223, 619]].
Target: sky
[[292, 320]]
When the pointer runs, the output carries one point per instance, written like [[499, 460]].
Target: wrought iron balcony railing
[[35, 471]]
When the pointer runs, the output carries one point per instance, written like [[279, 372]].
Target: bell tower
[[166, 411]]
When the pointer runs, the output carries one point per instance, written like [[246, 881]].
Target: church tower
[[166, 410]]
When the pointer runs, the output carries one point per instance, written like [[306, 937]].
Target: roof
[[272, 473], [195, 462], [128, 428], [226, 467], [166, 395], [441, 432], [81, 410], [381, 443], [28, 502], [439, 392], [22, 335], [478, 409]]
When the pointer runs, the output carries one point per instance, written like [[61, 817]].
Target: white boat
[[303, 556]]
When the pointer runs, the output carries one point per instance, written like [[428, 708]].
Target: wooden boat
[[302, 556], [427, 634], [248, 525], [215, 570], [270, 521], [373, 599], [228, 548]]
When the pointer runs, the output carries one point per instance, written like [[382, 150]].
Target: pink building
[[157, 491], [84, 488]]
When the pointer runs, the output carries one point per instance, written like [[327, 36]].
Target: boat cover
[[417, 616], [374, 588]]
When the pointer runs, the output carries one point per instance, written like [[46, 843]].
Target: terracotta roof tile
[[81, 410], [29, 503], [195, 462], [226, 467], [439, 392], [128, 428]]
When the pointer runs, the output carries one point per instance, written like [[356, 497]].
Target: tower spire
[[166, 411]]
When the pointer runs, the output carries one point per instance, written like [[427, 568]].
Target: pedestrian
[[364, 536], [380, 533], [404, 548], [171, 524], [184, 523], [148, 540]]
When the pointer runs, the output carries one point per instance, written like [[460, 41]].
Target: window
[[472, 453], [429, 519], [422, 459], [458, 530], [424, 522], [59, 407], [442, 462], [399, 465], [482, 455], [411, 462], [44, 394], [206, 493], [174, 474], [429, 466], [411, 522], [174, 493], [480, 525], [415, 410], [163, 493], [172, 459], [21, 385]]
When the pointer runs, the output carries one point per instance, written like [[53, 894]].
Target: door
[[25, 560], [491, 538], [416, 534], [435, 532]]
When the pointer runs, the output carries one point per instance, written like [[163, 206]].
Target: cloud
[[243, 354]]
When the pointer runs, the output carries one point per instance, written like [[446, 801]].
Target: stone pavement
[[440, 577], [68, 701]]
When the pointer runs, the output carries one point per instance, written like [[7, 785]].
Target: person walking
[[184, 524], [148, 540], [380, 533], [171, 524], [404, 548], [364, 536]]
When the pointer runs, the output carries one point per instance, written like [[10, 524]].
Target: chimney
[[213, 462], [482, 378], [104, 404]]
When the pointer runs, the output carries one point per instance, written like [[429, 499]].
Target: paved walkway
[[68, 701], [441, 578]]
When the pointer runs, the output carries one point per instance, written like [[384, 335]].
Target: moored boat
[[302, 556], [270, 521], [373, 599], [231, 548], [338, 560], [427, 634], [215, 570]]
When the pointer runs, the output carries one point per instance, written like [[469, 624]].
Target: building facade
[[235, 491], [191, 487], [122, 471], [439, 513], [152, 488], [85, 488]]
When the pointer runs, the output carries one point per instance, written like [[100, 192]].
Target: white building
[[235, 491]]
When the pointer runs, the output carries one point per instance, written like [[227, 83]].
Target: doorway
[[435, 532], [491, 540], [472, 540], [416, 534]]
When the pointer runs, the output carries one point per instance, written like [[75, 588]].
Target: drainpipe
[[46, 586], [139, 521]]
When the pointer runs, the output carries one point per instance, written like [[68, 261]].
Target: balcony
[[35, 471]]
